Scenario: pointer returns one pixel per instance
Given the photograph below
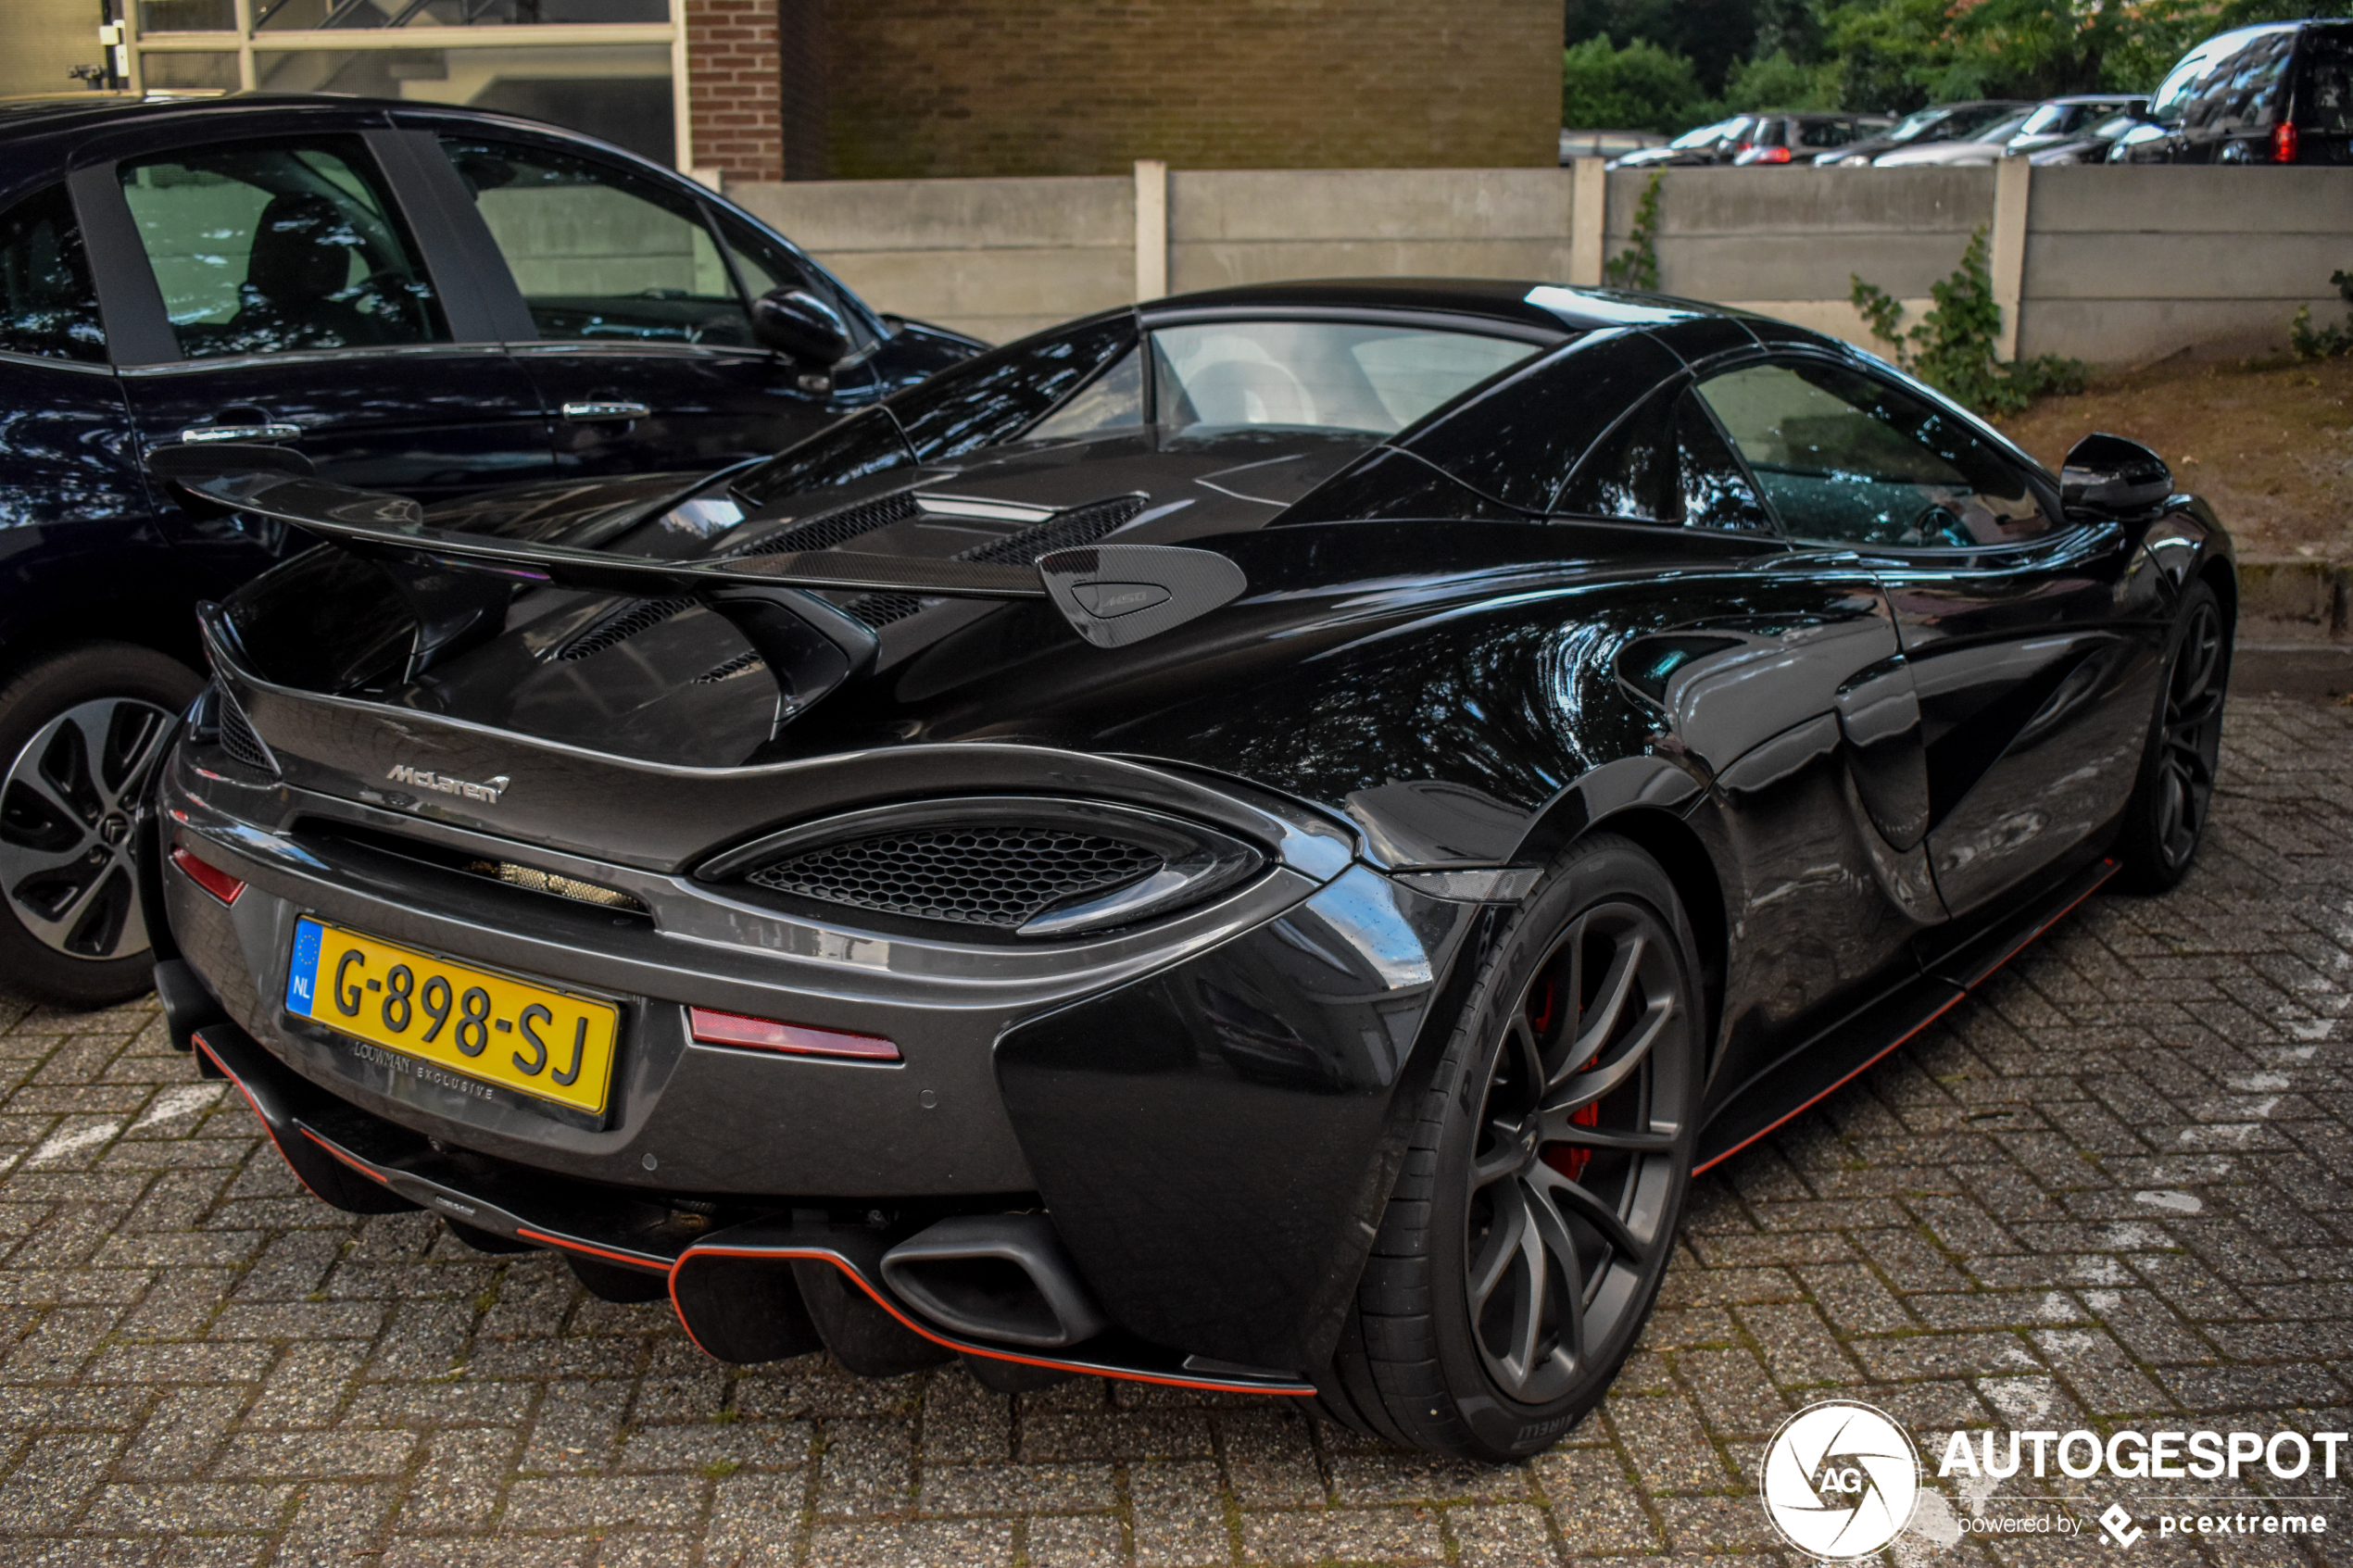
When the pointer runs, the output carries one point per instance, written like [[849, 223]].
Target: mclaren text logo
[[425, 778], [1840, 1480]]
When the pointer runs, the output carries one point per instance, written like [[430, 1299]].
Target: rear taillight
[[2283, 142], [210, 877], [1772, 154], [711, 1027]]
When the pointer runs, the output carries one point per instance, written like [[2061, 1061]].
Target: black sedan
[[418, 299], [1254, 842]]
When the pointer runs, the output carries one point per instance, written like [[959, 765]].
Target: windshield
[[1918, 123], [2050, 120], [1707, 135], [1326, 375], [2001, 129], [2114, 125]]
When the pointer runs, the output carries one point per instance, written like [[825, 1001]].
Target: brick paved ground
[[2105, 1195]]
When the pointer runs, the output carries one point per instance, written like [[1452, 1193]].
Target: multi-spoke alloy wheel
[[79, 736], [2167, 817], [1526, 1237], [1572, 1174]]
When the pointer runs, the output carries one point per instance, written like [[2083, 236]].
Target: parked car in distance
[[2281, 92], [1605, 144], [1938, 122], [1692, 149], [2088, 145], [418, 299], [2067, 120], [1780, 138], [1981, 147]]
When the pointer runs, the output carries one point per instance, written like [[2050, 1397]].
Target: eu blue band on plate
[[302, 974]]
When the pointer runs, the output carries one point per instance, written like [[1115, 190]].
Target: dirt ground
[[2271, 444]]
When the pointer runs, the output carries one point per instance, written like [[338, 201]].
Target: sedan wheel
[[1529, 1231], [81, 734]]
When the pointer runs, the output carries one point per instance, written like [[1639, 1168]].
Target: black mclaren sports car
[[1254, 842]]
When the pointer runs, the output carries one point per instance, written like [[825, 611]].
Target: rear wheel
[[2166, 820], [81, 732], [1532, 1221]]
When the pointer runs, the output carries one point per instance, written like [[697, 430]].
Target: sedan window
[[290, 245], [1848, 460], [47, 306], [1328, 375], [601, 254]]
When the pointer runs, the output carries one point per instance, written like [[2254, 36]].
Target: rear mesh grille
[[878, 610], [835, 528], [238, 739], [619, 627], [1000, 873], [1064, 530]]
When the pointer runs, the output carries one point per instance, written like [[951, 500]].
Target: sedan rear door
[[630, 305]]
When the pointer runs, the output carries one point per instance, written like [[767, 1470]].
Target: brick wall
[[733, 77], [927, 88]]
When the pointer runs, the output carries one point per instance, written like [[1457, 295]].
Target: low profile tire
[[81, 732], [1532, 1220], [2166, 819]]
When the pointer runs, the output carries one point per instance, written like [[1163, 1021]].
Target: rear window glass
[[2326, 102], [1327, 375]]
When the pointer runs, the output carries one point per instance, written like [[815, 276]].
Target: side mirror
[[799, 325], [2108, 473]]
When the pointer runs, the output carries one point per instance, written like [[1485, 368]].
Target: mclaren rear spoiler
[[1111, 595]]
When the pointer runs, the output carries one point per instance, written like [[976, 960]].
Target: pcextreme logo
[[1840, 1480]]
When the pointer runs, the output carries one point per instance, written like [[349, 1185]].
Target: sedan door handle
[[606, 410], [199, 435]]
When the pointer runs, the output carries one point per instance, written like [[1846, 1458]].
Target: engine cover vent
[[826, 531], [619, 627], [1000, 874], [239, 739]]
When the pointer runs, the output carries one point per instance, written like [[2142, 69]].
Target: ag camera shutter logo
[[1840, 1480]]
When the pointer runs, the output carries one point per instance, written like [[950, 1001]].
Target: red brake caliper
[[1569, 1160]]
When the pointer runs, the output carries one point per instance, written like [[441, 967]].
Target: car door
[[275, 289], [2031, 641], [644, 351]]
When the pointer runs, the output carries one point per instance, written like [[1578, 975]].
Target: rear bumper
[[363, 1164]]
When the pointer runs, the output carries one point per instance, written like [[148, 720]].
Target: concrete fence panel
[[2109, 265]]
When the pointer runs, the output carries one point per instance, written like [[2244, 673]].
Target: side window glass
[[47, 306], [601, 254], [1847, 459], [288, 245], [1114, 400], [2326, 101], [2174, 93], [764, 265], [1665, 463]]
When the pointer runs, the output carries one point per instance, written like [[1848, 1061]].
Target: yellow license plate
[[470, 1022]]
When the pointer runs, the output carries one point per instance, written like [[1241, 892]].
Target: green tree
[[1640, 87]]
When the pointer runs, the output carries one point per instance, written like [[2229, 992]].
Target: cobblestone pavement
[[2105, 1195]]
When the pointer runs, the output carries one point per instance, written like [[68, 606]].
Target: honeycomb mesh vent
[[998, 873], [878, 610], [238, 739], [621, 625], [835, 528]]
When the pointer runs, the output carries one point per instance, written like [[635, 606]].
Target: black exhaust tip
[[1001, 1277]]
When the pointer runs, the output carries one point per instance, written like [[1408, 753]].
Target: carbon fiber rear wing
[[1111, 595]]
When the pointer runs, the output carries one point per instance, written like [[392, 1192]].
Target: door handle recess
[[199, 435], [606, 410]]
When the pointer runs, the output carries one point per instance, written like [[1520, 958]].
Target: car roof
[[1563, 310], [54, 114]]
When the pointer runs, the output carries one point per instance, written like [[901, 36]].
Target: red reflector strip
[[713, 1028], [211, 878]]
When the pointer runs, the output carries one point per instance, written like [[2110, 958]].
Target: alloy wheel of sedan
[[66, 810]]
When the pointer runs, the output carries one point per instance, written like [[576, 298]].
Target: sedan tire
[[81, 732], [1532, 1220]]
